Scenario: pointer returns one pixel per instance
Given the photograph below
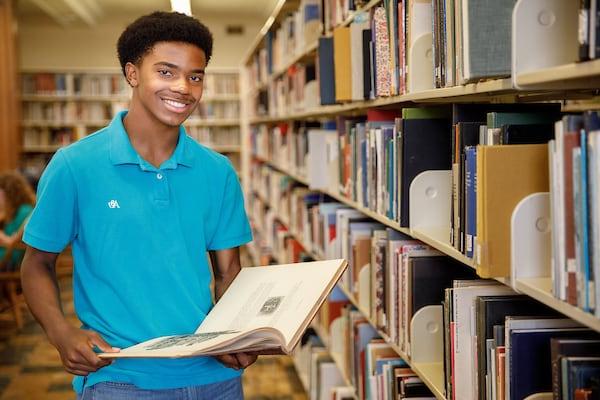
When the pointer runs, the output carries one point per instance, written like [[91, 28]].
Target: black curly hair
[[160, 26]]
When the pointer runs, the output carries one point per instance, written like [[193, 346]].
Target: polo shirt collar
[[122, 152]]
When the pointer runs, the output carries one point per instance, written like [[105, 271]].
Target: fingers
[[237, 360], [96, 339], [245, 359]]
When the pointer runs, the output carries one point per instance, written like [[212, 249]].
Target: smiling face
[[168, 81]]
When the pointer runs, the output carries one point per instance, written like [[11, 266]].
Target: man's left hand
[[237, 360]]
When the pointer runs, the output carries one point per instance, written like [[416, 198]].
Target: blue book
[[326, 71], [365, 196], [470, 199], [585, 249], [530, 360]]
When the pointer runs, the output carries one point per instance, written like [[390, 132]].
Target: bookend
[[426, 330], [543, 33], [531, 239], [421, 64], [430, 199], [540, 396]]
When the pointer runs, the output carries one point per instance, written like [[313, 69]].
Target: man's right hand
[[76, 348]]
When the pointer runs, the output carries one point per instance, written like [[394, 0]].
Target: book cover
[[342, 64]]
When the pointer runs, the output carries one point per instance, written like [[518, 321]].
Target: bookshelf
[[62, 106], [557, 79]]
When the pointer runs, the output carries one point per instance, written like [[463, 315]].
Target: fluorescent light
[[182, 6]]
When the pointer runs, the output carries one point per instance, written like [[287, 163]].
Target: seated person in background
[[16, 203]]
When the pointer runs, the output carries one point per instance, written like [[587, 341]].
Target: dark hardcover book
[[414, 389], [468, 135], [430, 276], [366, 49], [530, 364], [478, 112], [426, 145], [526, 134], [326, 71], [582, 376], [584, 30], [493, 310], [585, 345], [469, 191]]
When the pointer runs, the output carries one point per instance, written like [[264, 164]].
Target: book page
[[280, 297]]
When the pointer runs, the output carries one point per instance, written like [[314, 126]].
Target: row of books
[[215, 135], [297, 31], [217, 110], [399, 47], [574, 162], [217, 84], [385, 375], [70, 112], [490, 332], [46, 136], [73, 84]]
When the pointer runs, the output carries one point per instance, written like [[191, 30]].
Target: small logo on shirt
[[113, 204]]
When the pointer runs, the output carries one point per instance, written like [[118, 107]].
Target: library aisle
[[30, 368]]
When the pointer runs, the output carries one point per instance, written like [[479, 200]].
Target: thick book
[[530, 364], [426, 145], [264, 308], [342, 64], [505, 175], [326, 71]]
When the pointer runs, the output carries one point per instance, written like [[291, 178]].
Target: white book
[[361, 22], [464, 328], [320, 154], [329, 377], [559, 227], [263, 308]]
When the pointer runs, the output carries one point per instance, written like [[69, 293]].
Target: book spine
[[471, 198], [583, 37], [585, 251]]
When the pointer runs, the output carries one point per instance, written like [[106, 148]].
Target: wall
[[9, 103], [46, 45]]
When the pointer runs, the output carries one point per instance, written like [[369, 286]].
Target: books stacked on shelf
[[216, 111], [74, 84], [574, 161], [59, 108], [220, 83], [506, 190]]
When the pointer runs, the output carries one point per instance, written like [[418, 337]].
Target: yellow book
[[505, 175], [342, 64]]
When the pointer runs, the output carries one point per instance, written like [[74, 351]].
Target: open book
[[264, 308]]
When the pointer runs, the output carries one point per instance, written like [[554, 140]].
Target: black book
[[366, 49], [530, 364], [527, 134], [326, 71], [584, 30], [493, 310], [430, 276], [478, 112], [582, 375], [426, 145], [584, 345]]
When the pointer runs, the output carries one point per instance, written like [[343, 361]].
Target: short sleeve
[[53, 222], [232, 227]]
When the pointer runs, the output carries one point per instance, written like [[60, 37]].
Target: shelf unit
[[488, 91], [57, 104]]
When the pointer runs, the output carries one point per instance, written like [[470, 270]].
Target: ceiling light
[[182, 6]]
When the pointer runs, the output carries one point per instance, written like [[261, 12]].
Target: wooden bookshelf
[[543, 88], [71, 90], [588, 71]]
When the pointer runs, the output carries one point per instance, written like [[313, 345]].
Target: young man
[[141, 203]]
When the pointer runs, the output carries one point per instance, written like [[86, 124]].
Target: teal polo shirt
[[139, 237]]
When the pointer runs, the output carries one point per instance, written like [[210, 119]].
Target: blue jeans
[[226, 390]]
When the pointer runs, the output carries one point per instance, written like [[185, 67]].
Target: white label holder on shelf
[[426, 335], [531, 238], [430, 198], [543, 36]]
